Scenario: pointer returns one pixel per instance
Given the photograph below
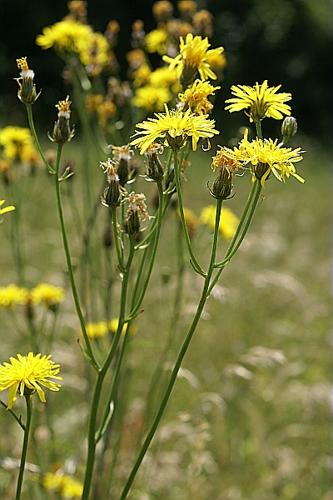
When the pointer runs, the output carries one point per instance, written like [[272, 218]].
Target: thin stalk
[[116, 238], [13, 414], [100, 379], [179, 360], [194, 261], [24, 448], [69, 263], [35, 136]]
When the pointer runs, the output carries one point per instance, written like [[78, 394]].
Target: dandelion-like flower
[[174, 126], [266, 156], [259, 101], [151, 98], [13, 295], [7, 209], [193, 59], [67, 486], [196, 97], [26, 374], [228, 222], [156, 41], [17, 143], [47, 294]]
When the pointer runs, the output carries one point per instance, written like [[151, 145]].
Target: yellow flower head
[[141, 75], [259, 101], [26, 374], [193, 58], [176, 126], [164, 77], [151, 98], [5, 210], [67, 486], [49, 295], [266, 156], [191, 220], [13, 295], [156, 41], [228, 223], [196, 97], [17, 143], [97, 330], [70, 35]]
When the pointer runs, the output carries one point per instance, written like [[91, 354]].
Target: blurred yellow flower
[[97, 330], [228, 223], [196, 97], [7, 209], [67, 486], [73, 36], [17, 143], [141, 75], [176, 127], [191, 220], [13, 295], [47, 294], [156, 41], [26, 374], [151, 98], [259, 101], [193, 57], [164, 77]]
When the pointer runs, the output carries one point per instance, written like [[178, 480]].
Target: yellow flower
[[17, 143], [13, 295], [73, 36], [195, 97], [228, 222], [164, 77], [26, 374], [267, 156], [156, 41], [49, 295], [67, 486], [151, 98], [5, 210], [191, 220], [259, 101], [216, 61], [141, 75], [193, 58], [176, 127], [226, 158], [113, 327], [97, 330]]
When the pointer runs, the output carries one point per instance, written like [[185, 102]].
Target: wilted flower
[[27, 89], [62, 132]]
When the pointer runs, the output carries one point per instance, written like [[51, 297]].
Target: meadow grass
[[249, 418]]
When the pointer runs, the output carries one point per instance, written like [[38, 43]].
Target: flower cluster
[[103, 328], [44, 293]]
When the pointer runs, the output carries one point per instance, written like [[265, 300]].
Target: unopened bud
[[222, 186], [288, 128], [132, 223], [111, 196], [154, 167]]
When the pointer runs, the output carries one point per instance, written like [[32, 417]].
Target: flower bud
[[111, 195], [62, 131], [288, 128], [132, 223], [154, 167], [136, 212], [222, 186], [27, 89], [122, 155], [260, 170]]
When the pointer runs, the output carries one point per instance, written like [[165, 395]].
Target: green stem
[[24, 448], [116, 238], [194, 261], [13, 414], [69, 263], [100, 379], [35, 136], [179, 360]]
